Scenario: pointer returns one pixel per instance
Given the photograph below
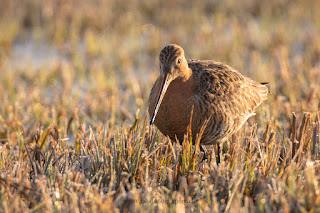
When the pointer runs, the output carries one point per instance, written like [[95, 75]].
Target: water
[[35, 54]]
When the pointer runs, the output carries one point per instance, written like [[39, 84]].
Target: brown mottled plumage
[[216, 92]]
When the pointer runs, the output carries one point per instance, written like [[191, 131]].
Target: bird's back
[[224, 97]]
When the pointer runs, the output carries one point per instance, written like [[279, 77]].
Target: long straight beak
[[164, 87]]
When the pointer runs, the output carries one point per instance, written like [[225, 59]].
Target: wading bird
[[201, 93]]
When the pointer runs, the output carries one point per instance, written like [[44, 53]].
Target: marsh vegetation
[[75, 76]]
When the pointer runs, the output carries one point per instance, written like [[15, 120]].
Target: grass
[[73, 127]]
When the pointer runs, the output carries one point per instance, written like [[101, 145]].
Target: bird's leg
[[205, 154], [217, 153]]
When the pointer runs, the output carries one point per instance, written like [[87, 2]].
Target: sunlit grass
[[74, 134]]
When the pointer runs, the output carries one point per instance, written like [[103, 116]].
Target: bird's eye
[[179, 61]]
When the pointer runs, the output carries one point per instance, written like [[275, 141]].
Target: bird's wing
[[226, 89]]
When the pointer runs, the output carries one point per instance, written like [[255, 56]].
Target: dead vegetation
[[74, 133]]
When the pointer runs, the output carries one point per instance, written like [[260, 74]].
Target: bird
[[203, 96]]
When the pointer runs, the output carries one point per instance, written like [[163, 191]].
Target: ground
[[75, 77]]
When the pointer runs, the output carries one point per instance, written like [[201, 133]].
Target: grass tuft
[[75, 77]]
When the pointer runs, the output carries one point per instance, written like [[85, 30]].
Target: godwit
[[217, 93]]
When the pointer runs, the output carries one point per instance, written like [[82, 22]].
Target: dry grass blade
[[59, 158], [138, 152], [303, 127], [315, 139], [293, 133], [197, 145], [266, 133], [74, 75], [154, 150], [31, 162]]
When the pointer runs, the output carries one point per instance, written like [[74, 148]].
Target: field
[[75, 77]]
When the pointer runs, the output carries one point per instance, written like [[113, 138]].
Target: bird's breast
[[175, 110]]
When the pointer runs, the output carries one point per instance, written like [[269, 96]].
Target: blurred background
[[96, 60], [74, 74]]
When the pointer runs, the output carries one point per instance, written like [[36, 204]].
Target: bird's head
[[173, 65]]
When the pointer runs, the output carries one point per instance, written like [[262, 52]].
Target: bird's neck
[[187, 75], [185, 81]]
